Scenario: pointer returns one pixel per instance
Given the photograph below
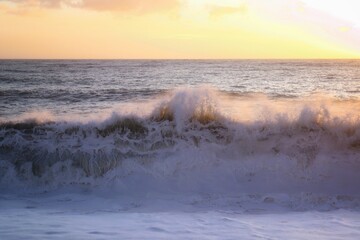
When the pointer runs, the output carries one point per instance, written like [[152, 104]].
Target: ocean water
[[188, 149]]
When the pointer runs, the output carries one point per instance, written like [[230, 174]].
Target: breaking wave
[[193, 140]]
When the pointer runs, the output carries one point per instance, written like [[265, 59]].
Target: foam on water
[[192, 140], [191, 163], [107, 150]]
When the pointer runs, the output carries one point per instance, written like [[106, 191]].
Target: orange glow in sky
[[190, 29]]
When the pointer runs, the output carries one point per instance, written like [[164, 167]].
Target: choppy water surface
[[227, 144], [87, 86]]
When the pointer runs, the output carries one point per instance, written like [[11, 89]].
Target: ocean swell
[[188, 142]]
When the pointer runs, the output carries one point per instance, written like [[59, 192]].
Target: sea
[[180, 149]]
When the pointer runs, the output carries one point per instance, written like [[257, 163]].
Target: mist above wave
[[193, 139]]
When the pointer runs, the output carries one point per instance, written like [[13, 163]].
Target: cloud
[[35, 3], [218, 11], [142, 6], [128, 5]]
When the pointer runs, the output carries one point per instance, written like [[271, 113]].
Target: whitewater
[[83, 158]]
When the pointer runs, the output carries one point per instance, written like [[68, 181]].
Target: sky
[[179, 29]]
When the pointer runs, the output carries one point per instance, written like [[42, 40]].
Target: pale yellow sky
[[185, 29]]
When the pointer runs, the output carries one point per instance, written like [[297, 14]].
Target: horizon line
[[170, 59]]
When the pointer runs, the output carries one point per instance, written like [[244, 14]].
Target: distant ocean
[[149, 149]]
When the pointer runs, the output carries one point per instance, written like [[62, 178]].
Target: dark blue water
[[88, 86]]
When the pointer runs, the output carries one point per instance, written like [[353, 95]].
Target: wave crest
[[188, 105], [187, 134]]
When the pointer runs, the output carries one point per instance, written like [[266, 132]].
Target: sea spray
[[187, 142]]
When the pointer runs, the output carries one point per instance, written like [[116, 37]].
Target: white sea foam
[[191, 159], [193, 139], [104, 150]]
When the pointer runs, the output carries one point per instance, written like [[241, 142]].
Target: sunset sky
[[178, 29]]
